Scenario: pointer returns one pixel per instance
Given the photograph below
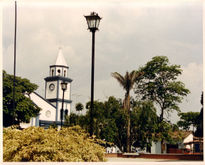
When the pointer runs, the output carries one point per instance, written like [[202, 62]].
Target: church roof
[[60, 60], [35, 97]]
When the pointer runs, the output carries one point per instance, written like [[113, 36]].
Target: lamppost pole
[[62, 109], [93, 21], [92, 82], [64, 87]]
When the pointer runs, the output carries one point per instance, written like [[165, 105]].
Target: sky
[[130, 34]]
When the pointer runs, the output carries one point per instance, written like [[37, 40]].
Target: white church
[[51, 104]]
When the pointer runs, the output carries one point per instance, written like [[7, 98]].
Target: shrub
[[37, 144]]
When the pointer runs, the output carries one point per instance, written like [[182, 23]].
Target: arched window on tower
[[64, 73], [66, 112], [52, 72], [59, 72]]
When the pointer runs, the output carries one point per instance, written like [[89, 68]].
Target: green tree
[[79, 107], [114, 128], [98, 116], [120, 119], [74, 119], [127, 82], [199, 130], [159, 84], [109, 121], [24, 107], [144, 123], [188, 119]]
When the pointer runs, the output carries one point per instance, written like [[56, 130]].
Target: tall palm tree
[[127, 82]]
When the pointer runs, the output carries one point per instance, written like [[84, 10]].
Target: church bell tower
[[53, 93]]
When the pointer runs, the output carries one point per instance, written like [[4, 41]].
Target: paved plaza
[[115, 159]]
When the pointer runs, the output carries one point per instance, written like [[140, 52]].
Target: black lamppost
[[64, 87], [93, 21]]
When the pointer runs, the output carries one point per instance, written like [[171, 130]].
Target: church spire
[[61, 67], [60, 60]]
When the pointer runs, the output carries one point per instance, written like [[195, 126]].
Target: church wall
[[51, 94], [66, 94], [26, 125], [66, 106], [45, 108]]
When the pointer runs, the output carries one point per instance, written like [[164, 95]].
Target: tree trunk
[[161, 115], [160, 121], [127, 109], [162, 146], [128, 133]]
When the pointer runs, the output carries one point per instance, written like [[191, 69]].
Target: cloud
[[192, 77], [130, 35], [192, 74]]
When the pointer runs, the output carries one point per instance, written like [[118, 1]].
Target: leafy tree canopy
[[159, 84], [144, 123], [24, 107], [109, 121], [79, 107], [188, 119]]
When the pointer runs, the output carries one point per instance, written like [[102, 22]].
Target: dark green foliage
[[24, 107], [110, 123], [106, 116], [74, 120], [79, 107], [159, 84], [199, 130], [188, 119], [175, 127], [53, 125], [144, 124]]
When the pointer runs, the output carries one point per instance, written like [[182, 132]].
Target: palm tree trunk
[[127, 109], [128, 133]]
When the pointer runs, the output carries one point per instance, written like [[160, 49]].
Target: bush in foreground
[[40, 145]]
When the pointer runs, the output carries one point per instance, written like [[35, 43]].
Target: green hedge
[[40, 145]]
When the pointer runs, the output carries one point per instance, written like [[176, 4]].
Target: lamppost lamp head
[[64, 85], [93, 21]]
